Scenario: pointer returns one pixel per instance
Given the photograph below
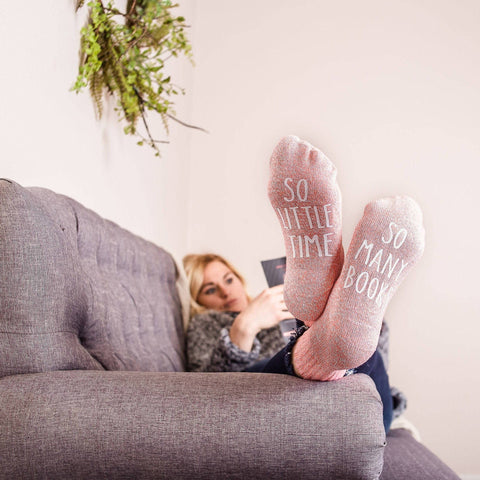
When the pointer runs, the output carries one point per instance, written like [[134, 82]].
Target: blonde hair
[[194, 266]]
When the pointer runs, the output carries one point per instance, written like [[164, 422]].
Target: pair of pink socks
[[342, 300]]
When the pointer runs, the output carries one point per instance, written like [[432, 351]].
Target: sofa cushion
[[407, 459], [79, 292]]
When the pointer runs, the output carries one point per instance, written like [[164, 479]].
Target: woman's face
[[221, 289]]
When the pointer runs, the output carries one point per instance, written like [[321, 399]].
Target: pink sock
[[387, 242], [305, 196]]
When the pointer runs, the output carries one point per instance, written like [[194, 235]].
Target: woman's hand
[[264, 311]]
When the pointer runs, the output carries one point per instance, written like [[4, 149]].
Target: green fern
[[123, 54]]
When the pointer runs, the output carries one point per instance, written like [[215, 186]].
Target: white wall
[[390, 92], [50, 136]]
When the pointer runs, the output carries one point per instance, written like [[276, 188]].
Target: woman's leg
[[375, 369], [346, 320], [258, 367]]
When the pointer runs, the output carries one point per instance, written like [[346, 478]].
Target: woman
[[229, 331], [339, 300]]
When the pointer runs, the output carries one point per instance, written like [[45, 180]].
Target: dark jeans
[[373, 367]]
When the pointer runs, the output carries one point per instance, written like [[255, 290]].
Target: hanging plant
[[123, 54]]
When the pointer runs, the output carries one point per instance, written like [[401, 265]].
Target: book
[[274, 270]]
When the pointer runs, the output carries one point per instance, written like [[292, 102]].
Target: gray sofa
[[92, 380]]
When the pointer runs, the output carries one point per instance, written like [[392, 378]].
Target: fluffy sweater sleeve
[[210, 349]]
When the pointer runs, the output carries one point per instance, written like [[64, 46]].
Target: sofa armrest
[[96, 424]]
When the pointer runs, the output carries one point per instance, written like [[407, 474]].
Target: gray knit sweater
[[209, 348]]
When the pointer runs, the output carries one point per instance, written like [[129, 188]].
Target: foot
[[387, 242], [306, 198]]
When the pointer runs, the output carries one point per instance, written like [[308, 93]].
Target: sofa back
[[79, 292]]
